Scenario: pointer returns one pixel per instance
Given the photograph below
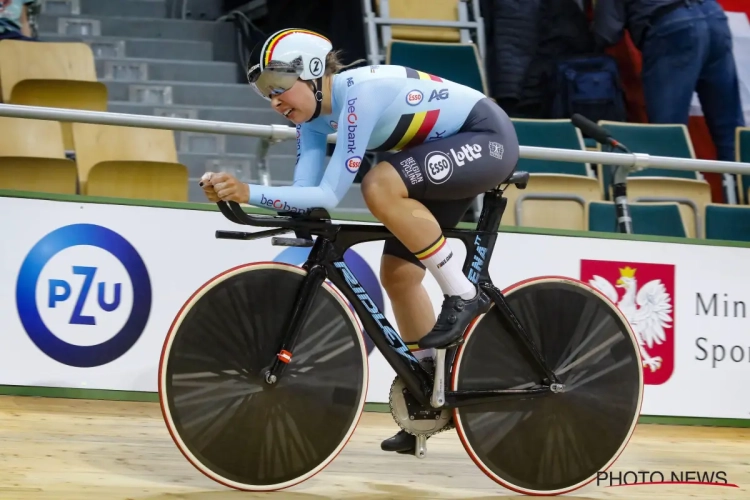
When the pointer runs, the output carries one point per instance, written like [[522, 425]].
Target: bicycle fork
[[316, 274]]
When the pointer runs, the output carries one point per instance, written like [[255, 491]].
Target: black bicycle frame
[[326, 261]]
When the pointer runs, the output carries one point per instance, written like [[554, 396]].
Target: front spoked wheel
[[223, 416], [552, 443]]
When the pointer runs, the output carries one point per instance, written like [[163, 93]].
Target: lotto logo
[[467, 153], [438, 167], [353, 163], [414, 97]]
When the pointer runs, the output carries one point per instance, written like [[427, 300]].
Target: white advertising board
[[88, 292]]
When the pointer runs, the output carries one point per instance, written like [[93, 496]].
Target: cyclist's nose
[[275, 102]]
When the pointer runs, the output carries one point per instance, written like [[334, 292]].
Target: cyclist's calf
[[410, 302]]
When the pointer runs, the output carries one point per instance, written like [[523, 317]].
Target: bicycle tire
[[224, 419], [554, 443]]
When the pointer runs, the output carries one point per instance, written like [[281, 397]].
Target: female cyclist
[[451, 144]]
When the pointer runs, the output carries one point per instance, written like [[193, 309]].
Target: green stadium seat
[[656, 219], [557, 192], [560, 134], [743, 155], [658, 140], [686, 187], [727, 222], [457, 62]]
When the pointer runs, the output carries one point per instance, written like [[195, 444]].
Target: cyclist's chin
[[297, 117]]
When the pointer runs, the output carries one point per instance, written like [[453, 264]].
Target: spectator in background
[[14, 20], [686, 47]]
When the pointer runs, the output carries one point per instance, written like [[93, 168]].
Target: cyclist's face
[[296, 104]]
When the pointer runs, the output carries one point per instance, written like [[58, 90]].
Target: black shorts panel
[[463, 165]]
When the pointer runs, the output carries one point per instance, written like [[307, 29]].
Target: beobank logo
[[644, 293], [280, 205], [351, 120]]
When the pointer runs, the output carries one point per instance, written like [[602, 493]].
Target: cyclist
[[450, 144]]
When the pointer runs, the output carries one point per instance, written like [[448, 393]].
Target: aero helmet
[[287, 55]]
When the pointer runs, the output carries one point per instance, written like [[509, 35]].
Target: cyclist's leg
[[459, 167], [401, 274]]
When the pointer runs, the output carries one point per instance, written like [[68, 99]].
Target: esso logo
[[438, 166], [414, 97], [353, 163]]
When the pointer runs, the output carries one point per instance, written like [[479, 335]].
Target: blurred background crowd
[[665, 77]]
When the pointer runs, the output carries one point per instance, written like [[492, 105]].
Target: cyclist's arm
[[356, 123], [311, 156]]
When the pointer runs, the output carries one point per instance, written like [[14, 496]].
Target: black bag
[[590, 86]]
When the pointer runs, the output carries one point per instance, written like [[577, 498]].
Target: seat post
[[493, 207]]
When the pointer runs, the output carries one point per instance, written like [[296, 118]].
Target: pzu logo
[[438, 95], [60, 291], [83, 295]]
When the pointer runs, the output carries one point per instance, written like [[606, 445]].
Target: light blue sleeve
[[363, 105], [311, 155]]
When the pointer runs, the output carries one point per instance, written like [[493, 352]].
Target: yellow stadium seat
[[536, 205], [128, 162], [51, 74], [435, 10], [32, 157]]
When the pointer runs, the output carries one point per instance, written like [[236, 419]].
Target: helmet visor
[[276, 78]]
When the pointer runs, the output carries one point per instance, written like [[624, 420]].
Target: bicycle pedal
[[291, 242]]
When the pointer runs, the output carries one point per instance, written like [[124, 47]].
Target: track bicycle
[[264, 372]]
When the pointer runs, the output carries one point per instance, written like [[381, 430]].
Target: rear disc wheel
[[552, 443], [222, 415]]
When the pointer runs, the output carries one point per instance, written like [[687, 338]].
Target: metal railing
[[269, 134], [378, 27], [277, 133]]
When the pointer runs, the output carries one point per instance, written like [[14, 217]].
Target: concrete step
[[222, 34], [181, 93], [148, 48], [129, 69], [217, 144], [233, 114], [238, 165], [122, 8], [242, 166]]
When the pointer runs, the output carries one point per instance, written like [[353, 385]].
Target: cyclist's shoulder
[[366, 78]]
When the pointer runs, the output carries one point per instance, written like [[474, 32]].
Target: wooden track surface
[[99, 450]]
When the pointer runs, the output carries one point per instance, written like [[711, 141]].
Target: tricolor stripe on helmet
[[268, 48]]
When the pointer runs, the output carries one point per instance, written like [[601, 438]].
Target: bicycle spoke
[[231, 421], [559, 441]]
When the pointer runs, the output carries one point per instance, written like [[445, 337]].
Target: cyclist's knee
[[399, 276], [382, 182]]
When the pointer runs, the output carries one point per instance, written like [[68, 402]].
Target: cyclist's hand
[[226, 187], [208, 188]]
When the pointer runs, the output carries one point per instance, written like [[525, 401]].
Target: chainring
[[414, 418]]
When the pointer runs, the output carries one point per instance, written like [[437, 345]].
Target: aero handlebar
[[233, 211]]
